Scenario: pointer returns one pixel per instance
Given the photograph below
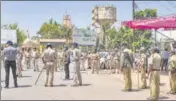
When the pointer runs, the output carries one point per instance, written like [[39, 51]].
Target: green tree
[[52, 30], [21, 35], [143, 37]]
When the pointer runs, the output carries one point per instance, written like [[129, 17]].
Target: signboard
[[84, 37], [7, 35]]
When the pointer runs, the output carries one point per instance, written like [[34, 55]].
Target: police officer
[[35, 57], [19, 62], [27, 57], [66, 63], [126, 63], [143, 68], [10, 54], [76, 57], [172, 73], [48, 58], [95, 62], [154, 71]]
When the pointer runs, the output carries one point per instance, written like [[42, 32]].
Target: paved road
[[95, 87]]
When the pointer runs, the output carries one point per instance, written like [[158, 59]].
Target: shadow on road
[[86, 85], [162, 84], [61, 85], [163, 98], [26, 76], [24, 86], [135, 90]]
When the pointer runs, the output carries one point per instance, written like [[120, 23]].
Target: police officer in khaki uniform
[[35, 57], [172, 73], [95, 62], [154, 71], [143, 68], [126, 64], [49, 58], [89, 60], [76, 58]]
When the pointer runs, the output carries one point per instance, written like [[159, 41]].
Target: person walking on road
[[66, 63], [19, 62], [142, 68], [154, 72], [172, 73], [49, 58], [76, 58], [126, 63], [10, 54], [95, 62], [35, 58], [165, 57]]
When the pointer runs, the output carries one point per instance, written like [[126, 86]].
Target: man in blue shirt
[[165, 57], [10, 54]]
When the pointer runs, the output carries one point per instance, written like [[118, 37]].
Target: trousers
[[154, 85], [67, 71], [49, 72], [12, 65], [127, 78]]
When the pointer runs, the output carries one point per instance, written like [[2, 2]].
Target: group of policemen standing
[[148, 68]]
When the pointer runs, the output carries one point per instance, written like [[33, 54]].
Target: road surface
[[95, 87]]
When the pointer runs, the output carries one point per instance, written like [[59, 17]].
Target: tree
[[52, 30], [21, 35], [141, 37]]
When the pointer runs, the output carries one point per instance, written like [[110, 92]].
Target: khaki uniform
[[95, 63], [155, 76], [19, 63], [126, 69], [49, 58], [143, 71], [89, 60], [75, 58], [27, 59], [172, 74], [109, 62], [35, 58], [115, 64]]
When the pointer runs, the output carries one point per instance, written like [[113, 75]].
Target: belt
[[155, 70]]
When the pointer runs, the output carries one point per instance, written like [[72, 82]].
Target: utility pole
[[133, 5]]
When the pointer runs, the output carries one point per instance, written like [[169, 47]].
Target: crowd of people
[[148, 64]]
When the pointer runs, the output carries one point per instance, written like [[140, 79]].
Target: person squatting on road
[[75, 59], [48, 58], [10, 54], [172, 73], [154, 72], [126, 63], [66, 59], [35, 59]]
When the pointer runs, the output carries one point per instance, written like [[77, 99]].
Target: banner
[[84, 37], [7, 35]]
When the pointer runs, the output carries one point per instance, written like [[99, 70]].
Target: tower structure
[[102, 15], [67, 21]]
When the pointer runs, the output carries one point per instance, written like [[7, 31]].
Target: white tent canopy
[[29, 43]]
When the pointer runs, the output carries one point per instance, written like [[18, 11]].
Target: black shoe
[[6, 87], [80, 84]]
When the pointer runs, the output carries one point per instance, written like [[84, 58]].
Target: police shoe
[[6, 87]]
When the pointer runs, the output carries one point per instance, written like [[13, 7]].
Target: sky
[[30, 15]]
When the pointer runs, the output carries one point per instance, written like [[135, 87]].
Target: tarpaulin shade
[[162, 22]]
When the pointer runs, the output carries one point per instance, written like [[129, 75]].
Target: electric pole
[[133, 8]]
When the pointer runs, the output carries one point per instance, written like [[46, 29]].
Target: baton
[[39, 75]]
